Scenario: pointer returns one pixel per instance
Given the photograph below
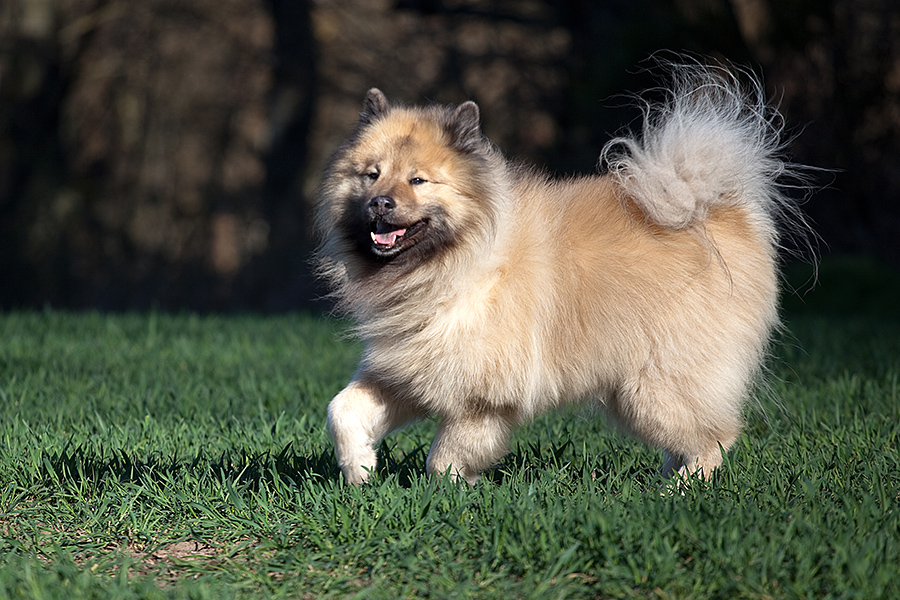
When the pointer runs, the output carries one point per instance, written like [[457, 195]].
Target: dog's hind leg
[[693, 424], [358, 418]]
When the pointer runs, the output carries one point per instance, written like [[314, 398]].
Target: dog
[[486, 292]]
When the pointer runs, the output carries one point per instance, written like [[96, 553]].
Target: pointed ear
[[465, 127], [375, 105]]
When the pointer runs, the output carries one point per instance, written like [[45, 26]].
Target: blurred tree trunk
[[168, 115], [165, 152], [30, 153], [836, 66]]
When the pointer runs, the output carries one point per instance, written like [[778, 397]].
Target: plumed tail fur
[[711, 142]]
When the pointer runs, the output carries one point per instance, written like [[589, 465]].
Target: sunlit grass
[[177, 456]]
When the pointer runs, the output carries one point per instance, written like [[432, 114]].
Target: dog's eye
[[373, 176], [416, 181]]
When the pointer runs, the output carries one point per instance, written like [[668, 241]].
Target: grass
[[177, 456]]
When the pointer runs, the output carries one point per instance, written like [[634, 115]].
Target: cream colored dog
[[486, 292]]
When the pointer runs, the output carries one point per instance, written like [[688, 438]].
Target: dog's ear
[[465, 127], [375, 106]]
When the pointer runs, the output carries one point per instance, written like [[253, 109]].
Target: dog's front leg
[[358, 418], [466, 445]]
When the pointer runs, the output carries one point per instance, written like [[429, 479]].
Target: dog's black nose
[[382, 205]]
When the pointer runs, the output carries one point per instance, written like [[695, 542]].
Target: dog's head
[[409, 184]]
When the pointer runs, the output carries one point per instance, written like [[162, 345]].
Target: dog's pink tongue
[[388, 238]]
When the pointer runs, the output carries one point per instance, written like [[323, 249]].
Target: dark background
[[165, 153]]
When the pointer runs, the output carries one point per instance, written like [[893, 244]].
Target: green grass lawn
[[158, 456]]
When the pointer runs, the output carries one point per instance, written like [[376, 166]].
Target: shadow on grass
[[75, 465], [534, 461], [80, 467], [79, 464]]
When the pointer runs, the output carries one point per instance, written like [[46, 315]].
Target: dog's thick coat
[[486, 292]]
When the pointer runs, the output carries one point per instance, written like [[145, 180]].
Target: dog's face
[[408, 184]]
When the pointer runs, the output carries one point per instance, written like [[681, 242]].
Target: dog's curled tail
[[710, 142]]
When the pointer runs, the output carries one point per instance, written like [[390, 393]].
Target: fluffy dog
[[486, 292]]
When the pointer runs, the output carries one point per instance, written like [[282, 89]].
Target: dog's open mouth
[[389, 239]]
